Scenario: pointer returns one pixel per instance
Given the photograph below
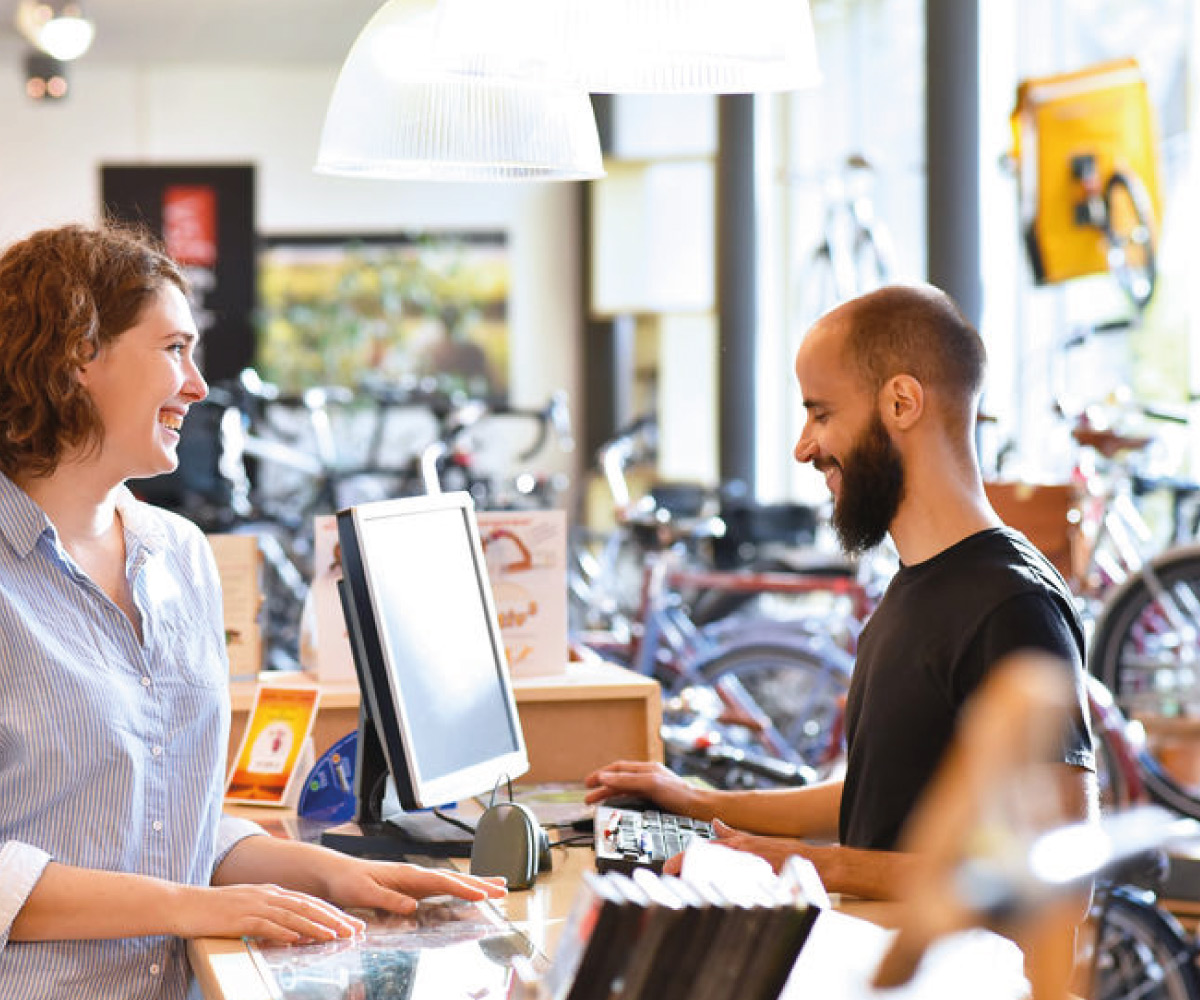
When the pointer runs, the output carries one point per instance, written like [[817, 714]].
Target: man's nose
[[805, 450]]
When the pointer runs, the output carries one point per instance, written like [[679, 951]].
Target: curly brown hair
[[65, 293]]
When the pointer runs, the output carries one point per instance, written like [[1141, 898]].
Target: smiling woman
[[113, 848]]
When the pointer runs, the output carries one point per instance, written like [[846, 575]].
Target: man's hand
[[775, 850], [264, 911], [645, 780], [396, 887]]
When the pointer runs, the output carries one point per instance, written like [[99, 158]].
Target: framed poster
[[395, 308], [205, 218]]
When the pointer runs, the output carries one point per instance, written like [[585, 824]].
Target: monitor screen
[[429, 650]]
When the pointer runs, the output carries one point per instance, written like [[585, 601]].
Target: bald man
[[891, 383]]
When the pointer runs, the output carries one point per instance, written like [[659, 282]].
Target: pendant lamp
[[637, 46], [405, 106]]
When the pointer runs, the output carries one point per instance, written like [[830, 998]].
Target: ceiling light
[[58, 29], [404, 108], [45, 77], [638, 46]]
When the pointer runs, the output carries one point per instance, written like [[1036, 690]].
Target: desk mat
[[447, 950]]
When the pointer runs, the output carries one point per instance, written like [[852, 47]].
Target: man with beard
[[890, 383]]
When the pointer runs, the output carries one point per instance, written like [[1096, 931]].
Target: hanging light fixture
[[407, 107], [58, 29], [637, 46]]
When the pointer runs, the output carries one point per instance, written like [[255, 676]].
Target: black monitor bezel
[[381, 699]]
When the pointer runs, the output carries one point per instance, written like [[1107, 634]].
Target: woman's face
[[142, 384]]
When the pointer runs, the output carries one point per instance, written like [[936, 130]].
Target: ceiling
[[215, 31]]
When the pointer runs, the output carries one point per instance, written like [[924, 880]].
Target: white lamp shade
[[401, 109], [638, 46], [58, 29]]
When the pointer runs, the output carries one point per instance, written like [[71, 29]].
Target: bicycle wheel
[[1128, 230], [1141, 951], [798, 684], [1146, 650], [872, 267]]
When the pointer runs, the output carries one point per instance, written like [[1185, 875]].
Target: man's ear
[[901, 402]]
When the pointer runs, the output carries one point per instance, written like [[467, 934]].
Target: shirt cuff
[[21, 865], [230, 832]]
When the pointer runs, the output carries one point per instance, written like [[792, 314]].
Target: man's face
[[845, 439]]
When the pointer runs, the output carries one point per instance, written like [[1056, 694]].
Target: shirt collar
[[23, 522]]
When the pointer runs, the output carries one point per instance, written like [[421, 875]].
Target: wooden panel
[[1045, 513], [573, 723]]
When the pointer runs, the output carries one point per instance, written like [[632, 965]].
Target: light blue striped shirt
[[111, 750]]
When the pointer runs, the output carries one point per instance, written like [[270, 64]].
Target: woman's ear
[[902, 402]]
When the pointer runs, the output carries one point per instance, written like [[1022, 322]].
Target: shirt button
[[156, 826], [157, 751], [145, 682], [155, 970]]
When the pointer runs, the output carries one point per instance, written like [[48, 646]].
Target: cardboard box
[[239, 565], [324, 642]]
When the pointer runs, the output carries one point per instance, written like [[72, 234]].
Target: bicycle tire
[[872, 268], [1141, 951], [1149, 667], [816, 286], [798, 682], [1129, 232], [1119, 763]]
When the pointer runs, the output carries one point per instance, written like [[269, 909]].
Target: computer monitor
[[438, 713]]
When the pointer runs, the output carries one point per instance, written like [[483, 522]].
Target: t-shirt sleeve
[[1033, 621]]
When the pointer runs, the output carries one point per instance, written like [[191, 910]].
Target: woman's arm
[[343, 880], [69, 903]]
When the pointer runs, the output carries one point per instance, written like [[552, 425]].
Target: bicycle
[[854, 253], [721, 530], [1144, 612], [487, 449]]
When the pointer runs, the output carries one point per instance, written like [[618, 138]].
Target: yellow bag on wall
[[1103, 110]]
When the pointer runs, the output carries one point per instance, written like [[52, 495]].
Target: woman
[[114, 708]]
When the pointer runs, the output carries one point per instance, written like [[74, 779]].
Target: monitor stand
[[381, 829]]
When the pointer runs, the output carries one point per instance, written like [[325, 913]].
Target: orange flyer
[[273, 746]]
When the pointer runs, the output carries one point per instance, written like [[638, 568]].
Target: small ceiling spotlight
[[56, 27], [45, 77]]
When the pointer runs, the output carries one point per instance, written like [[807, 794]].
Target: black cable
[[579, 839], [454, 821]]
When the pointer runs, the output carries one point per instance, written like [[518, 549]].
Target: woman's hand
[[651, 781], [396, 887], [262, 911]]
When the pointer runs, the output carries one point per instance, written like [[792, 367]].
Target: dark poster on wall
[[205, 217]]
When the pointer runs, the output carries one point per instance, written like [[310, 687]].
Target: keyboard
[[628, 838]]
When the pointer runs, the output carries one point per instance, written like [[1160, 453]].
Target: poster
[[526, 554], [204, 216], [399, 309]]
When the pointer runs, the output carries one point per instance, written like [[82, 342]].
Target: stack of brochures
[[660, 937]]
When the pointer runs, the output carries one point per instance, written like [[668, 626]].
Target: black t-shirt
[[940, 627]]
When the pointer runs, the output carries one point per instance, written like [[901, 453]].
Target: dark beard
[[872, 487]]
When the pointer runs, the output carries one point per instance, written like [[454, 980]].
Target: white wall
[[50, 157]]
